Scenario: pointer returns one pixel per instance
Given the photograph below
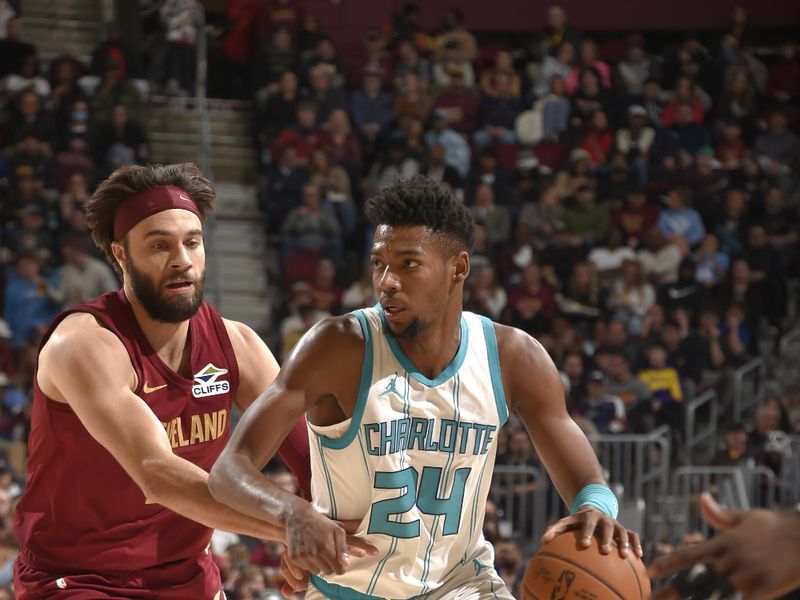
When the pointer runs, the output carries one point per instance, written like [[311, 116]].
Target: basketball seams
[[586, 570], [629, 562]]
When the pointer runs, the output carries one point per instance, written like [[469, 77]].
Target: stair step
[[160, 136], [42, 31], [174, 150], [250, 309]]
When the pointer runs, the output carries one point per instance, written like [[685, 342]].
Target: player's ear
[[461, 266], [118, 251]]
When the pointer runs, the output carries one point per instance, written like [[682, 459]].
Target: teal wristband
[[599, 496]]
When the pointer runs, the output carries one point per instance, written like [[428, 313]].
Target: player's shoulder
[[340, 329], [520, 351], [80, 346]]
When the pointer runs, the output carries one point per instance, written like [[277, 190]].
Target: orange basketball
[[561, 570]]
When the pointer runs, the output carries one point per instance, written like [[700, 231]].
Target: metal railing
[[688, 483], [747, 386], [790, 473], [638, 463], [214, 281], [696, 435], [636, 466]]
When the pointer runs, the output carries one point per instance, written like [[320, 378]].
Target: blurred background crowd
[[636, 199]]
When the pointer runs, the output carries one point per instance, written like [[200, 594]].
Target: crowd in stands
[[636, 205]]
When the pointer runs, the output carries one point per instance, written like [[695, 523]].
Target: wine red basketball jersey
[[81, 511]]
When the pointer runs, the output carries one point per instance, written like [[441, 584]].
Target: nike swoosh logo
[[149, 390]]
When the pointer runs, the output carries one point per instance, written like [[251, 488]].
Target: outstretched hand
[[757, 550], [590, 521]]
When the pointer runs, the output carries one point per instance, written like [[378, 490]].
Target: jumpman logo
[[391, 387], [479, 566]]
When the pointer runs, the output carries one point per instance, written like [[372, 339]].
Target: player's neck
[[434, 348], [169, 340]]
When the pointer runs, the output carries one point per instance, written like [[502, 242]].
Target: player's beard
[[412, 330], [162, 307]]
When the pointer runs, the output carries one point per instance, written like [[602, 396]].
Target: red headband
[[149, 202]]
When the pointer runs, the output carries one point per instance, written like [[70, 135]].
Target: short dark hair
[[421, 201], [132, 179]]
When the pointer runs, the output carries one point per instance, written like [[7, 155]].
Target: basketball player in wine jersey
[[404, 402], [132, 402]]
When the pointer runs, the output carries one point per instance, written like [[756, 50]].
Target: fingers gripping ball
[[562, 570]]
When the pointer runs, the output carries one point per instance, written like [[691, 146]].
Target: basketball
[[561, 570]]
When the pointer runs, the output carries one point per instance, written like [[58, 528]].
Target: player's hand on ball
[[757, 550], [590, 521]]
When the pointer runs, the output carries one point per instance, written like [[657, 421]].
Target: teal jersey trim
[[339, 592], [363, 390], [494, 369], [328, 479], [408, 364]]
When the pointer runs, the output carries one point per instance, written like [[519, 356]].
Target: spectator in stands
[[113, 47], [667, 395], [624, 384], [64, 74], [711, 263], [122, 141], [495, 218], [580, 300], [27, 78], [776, 148], [548, 119], [412, 99], [605, 410], [780, 223], [83, 277], [510, 562], [489, 171], [275, 57], [456, 149], [179, 18], [75, 195], [361, 292], [31, 300], [636, 68], [325, 293], [410, 62], [438, 170], [304, 136], [513, 491], [631, 296], [731, 149], [737, 104], [484, 294], [73, 135], [608, 258], [14, 48], [531, 304], [321, 90], [276, 112], [588, 59], [285, 183], [557, 30], [323, 52], [497, 114], [784, 76], [586, 218], [680, 224], [452, 29], [371, 107], [303, 315], [113, 90], [588, 98], [459, 102], [634, 141], [377, 60], [731, 225], [239, 45], [559, 63], [342, 144], [636, 218], [334, 184], [310, 227], [765, 269], [598, 139], [503, 66], [32, 234], [735, 451], [396, 162], [29, 118]]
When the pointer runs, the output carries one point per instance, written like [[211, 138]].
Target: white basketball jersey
[[414, 462]]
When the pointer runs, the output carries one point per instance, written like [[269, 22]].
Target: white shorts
[[476, 580]]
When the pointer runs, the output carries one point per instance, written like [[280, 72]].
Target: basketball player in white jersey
[[404, 402]]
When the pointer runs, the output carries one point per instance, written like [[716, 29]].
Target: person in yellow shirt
[[665, 406]]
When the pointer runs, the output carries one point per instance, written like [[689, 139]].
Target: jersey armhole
[[363, 389], [493, 356]]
